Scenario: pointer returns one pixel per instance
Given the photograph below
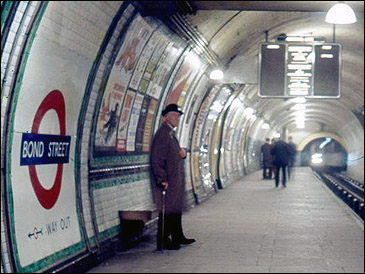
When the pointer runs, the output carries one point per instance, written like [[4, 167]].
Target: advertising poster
[[202, 117], [109, 117], [132, 129], [228, 148], [143, 60], [114, 93], [152, 63], [124, 121], [184, 78], [148, 126], [141, 123], [189, 109], [164, 67], [184, 127]]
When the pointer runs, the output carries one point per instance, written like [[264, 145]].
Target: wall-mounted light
[[265, 126], [299, 39], [299, 107], [248, 112], [340, 14], [326, 56], [299, 100], [300, 125], [272, 46], [216, 74]]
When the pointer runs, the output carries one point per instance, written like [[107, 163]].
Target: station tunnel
[[83, 85]]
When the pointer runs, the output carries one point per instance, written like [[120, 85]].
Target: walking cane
[[163, 218]]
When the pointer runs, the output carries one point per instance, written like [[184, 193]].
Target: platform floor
[[252, 227]]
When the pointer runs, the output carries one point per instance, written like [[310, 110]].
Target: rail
[[346, 188]]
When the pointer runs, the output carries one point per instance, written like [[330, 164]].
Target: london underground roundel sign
[[42, 149]]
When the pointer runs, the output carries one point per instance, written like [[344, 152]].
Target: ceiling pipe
[[198, 40]]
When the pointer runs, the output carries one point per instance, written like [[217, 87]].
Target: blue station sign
[[43, 149]]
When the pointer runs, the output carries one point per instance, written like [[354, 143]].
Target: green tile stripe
[[133, 159], [5, 12], [48, 261], [120, 181], [109, 233]]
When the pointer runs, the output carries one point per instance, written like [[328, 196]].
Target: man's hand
[[165, 185], [182, 153]]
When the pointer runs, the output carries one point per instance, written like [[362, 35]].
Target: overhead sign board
[[296, 69]]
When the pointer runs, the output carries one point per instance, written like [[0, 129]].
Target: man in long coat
[[281, 154], [167, 167], [293, 152], [266, 160]]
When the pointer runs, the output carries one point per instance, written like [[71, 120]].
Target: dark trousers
[[277, 172], [265, 173], [290, 169], [172, 228]]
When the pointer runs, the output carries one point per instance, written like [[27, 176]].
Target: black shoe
[[186, 241], [161, 247], [172, 246]]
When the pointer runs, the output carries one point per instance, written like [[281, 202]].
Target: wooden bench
[[134, 224]]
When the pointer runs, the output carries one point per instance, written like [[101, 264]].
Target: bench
[[134, 224]]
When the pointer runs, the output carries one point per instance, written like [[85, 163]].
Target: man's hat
[[171, 107]]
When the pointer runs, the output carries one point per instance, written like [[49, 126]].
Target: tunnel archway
[[324, 153], [315, 136]]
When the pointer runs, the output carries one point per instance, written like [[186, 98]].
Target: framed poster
[[116, 88]]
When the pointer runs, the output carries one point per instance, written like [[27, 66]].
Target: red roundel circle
[[54, 100]]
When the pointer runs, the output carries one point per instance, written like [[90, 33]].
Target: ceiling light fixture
[[340, 13], [216, 75], [299, 107], [299, 100], [265, 126], [248, 112]]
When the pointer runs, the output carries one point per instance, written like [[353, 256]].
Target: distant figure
[[112, 123], [293, 152], [281, 153], [267, 161], [273, 166]]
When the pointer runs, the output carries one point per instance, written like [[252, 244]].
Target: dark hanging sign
[[291, 70]]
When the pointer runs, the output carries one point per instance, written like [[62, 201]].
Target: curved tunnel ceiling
[[237, 27]]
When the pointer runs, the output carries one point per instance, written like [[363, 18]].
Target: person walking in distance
[[293, 152], [281, 153], [273, 166], [266, 159], [167, 168]]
